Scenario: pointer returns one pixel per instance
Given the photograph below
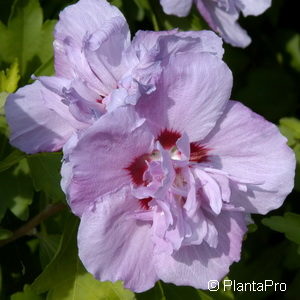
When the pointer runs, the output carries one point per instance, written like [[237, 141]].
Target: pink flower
[[221, 15], [97, 69], [163, 188]]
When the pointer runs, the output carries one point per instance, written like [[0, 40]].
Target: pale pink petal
[[224, 21], [82, 70], [76, 22], [36, 127], [248, 147], [164, 43], [144, 41], [178, 8], [190, 96], [103, 153], [115, 246], [105, 52], [196, 265], [79, 103], [253, 7], [192, 42]]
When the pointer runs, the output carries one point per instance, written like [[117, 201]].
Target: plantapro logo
[[268, 284]]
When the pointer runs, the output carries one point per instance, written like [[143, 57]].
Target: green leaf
[[13, 158], [290, 127], [252, 228], [173, 292], [9, 79], [3, 96], [16, 190], [192, 22], [293, 288], [46, 69], [66, 279], [48, 246], [144, 4], [291, 257], [156, 293], [117, 3], [293, 48], [26, 37], [261, 263], [3, 123], [161, 20], [289, 224], [27, 294], [164, 291], [45, 172], [5, 234], [269, 83]]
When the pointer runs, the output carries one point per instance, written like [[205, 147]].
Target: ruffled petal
[[151, 45], [79, 102], [190, 42], [81, 68], [103, 153], [196, 265], [190, 95], [105, 52], [178, 8], [251, 149], [224, 21], [143, 61], [144, 41], [36, 127], [76, 22], [115, 246]]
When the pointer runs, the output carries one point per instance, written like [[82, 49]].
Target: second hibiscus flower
[[221, 15]]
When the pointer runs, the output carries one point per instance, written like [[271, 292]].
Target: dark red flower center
[[198, 153], [144, 203], [168, 138], [137, 169]]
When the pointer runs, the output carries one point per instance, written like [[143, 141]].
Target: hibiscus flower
[[97, 68], [221, 15], [164, 188]]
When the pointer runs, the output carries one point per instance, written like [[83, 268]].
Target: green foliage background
[[43, 264]]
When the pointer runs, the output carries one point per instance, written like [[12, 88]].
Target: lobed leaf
[[45, 173], [13, 158], [16, 190], [27, 294], [289, 224], [26, 37], [293, 49], [9, 79]]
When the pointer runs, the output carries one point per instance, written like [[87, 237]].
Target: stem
[[153, 16], [39, 218]]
